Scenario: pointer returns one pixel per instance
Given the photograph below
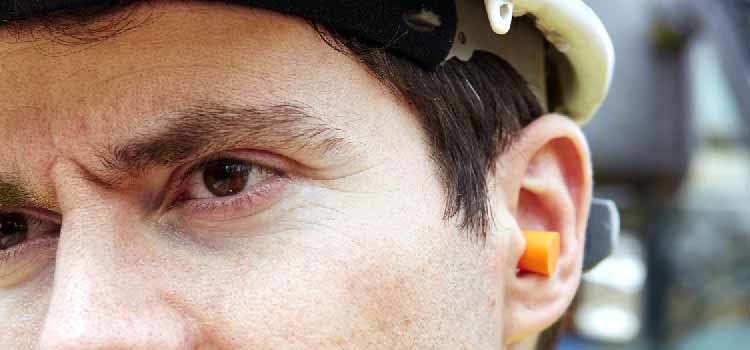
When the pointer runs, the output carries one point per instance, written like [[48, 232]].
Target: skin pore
[[338, 241]]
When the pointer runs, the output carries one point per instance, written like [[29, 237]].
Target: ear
[[545, 179]]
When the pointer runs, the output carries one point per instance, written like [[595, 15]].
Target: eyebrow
[[209, 127], [12, 194], [15, 195]]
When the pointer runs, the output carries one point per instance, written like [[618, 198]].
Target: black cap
[[421, 30]]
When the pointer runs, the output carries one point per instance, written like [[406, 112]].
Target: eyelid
[[255, 157], [259, 158], [36, 218], [36, 213], [20, 262]]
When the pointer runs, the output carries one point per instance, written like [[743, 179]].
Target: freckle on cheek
[[386, 302]]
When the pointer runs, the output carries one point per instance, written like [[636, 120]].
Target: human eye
[[27, 239], [228, 186]]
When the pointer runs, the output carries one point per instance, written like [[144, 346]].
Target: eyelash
[[255, 198], [12, 259]]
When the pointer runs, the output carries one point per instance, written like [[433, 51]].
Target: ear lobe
[[552, 192]]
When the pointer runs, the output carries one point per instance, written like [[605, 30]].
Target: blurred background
[[671, 146]]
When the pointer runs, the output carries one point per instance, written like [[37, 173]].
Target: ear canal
[[542, 251]]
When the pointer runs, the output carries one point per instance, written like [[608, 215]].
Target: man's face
[[220, 177]]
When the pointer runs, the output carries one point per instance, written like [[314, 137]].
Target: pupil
[[226, 177], [13, 229]]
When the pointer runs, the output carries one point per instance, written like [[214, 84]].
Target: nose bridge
[[92, 262], [104, 296]]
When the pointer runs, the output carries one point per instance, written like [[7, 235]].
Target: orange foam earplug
[[542, 250]]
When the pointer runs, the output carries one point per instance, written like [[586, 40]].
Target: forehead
[[179, 53], [63, 99]]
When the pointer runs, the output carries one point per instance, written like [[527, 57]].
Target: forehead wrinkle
[[207, 127], [28, 179]]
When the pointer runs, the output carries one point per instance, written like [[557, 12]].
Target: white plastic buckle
[[500, 13], [486, 27]]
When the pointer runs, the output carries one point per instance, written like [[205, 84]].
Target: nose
[[106, 294]]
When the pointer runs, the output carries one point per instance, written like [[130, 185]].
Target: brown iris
[[226, 177], [13, 229]]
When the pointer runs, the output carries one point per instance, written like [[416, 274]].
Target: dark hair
[[470, 112]]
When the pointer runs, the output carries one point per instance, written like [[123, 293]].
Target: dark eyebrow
[[212, 127], [15, 195], [12, 194]]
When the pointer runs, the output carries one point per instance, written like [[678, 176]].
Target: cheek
[[369, 264], [340, 278], [329, 291], [24, 308], [385, 296]]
